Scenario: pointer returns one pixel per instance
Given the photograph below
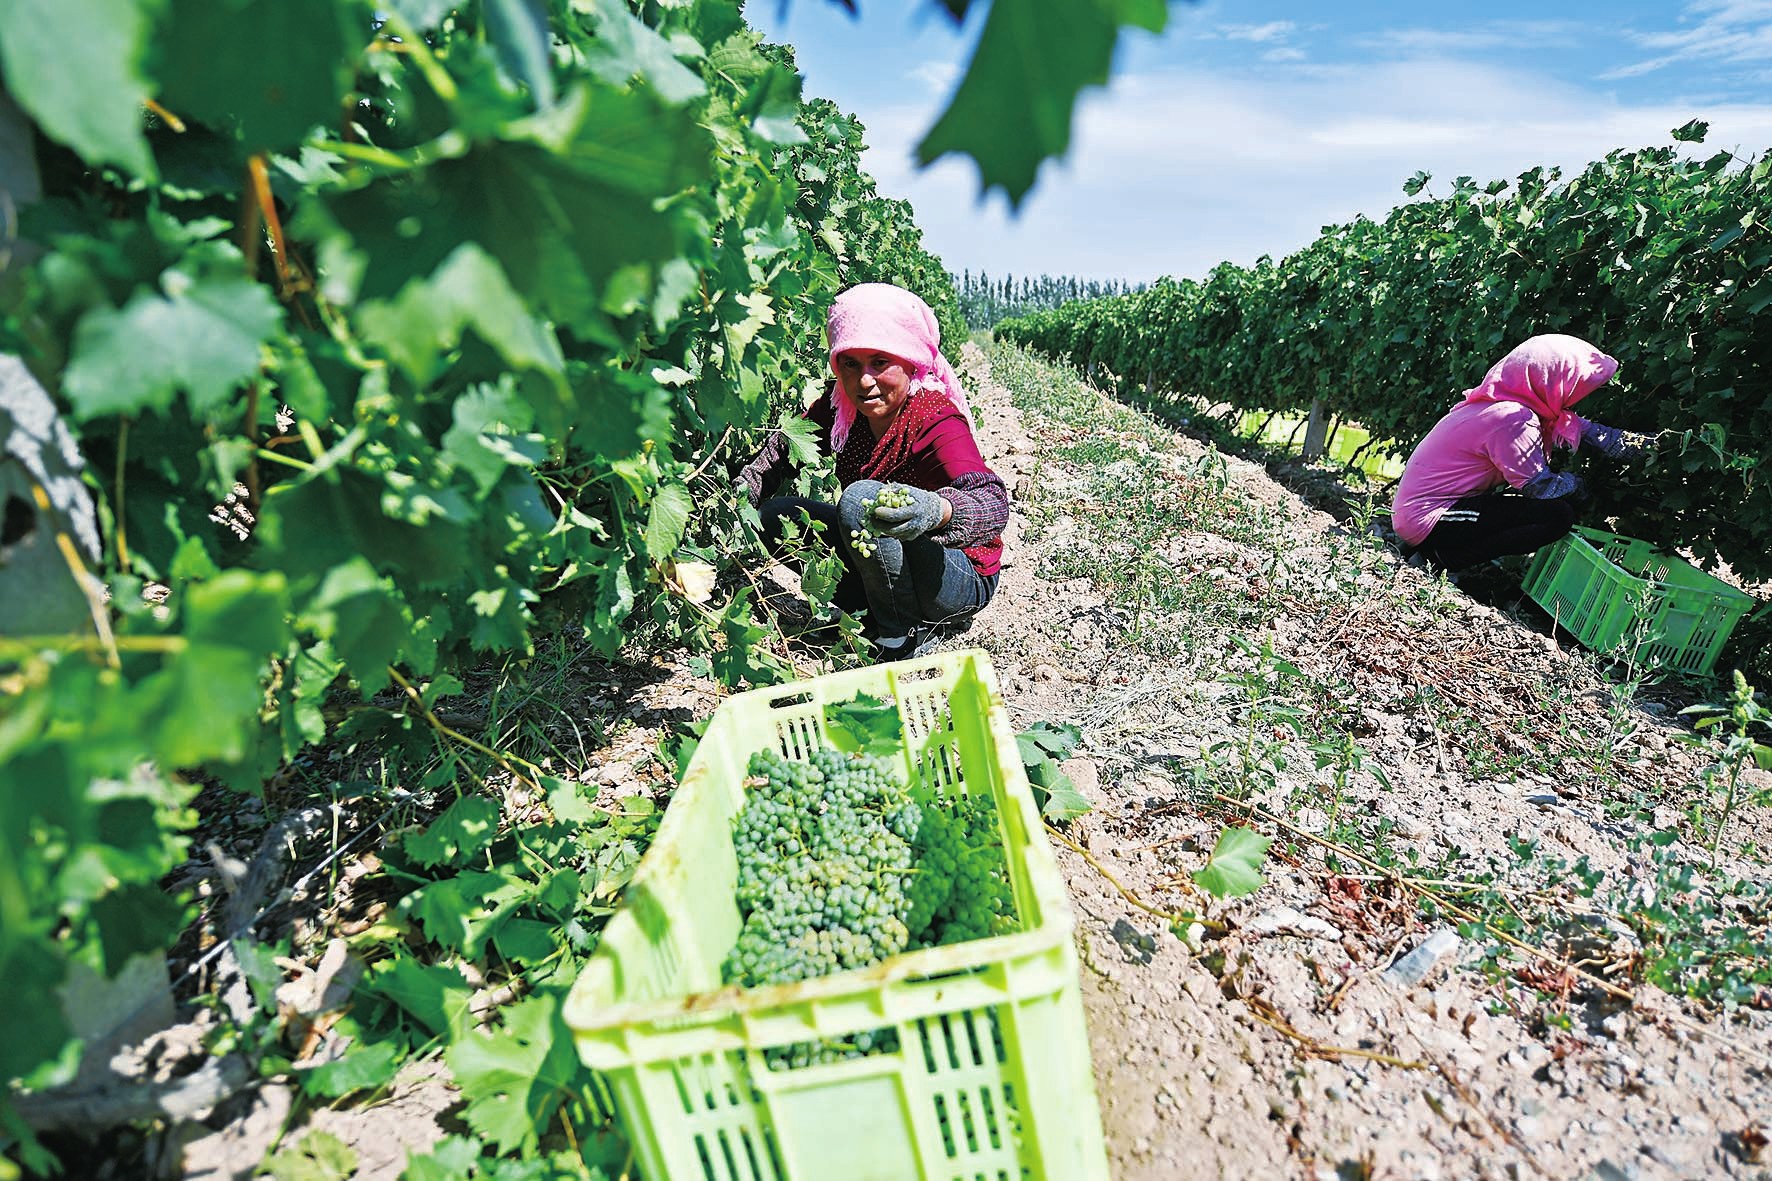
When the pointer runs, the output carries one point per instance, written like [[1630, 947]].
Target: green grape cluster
[[864, 539], [839, 868], [820, 873], [962, 889]]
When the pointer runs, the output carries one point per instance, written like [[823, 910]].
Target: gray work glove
[[1549, 485], [1613, 442], [922, 515]]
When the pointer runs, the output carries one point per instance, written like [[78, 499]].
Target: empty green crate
[[990, 1077], [1600, 587]]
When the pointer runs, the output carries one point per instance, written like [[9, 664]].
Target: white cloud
[[1284, 54], [939, 76], [1271, 31], [1725, 31], [1510, 35]]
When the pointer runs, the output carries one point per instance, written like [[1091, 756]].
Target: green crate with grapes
[[848, 952]]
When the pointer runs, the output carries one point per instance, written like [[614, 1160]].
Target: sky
[[1251, 124]]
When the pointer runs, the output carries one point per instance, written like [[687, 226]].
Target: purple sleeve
[[981, 502], [981, 509], [765, 473]]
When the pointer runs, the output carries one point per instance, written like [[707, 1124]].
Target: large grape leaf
[[426, 319], [518, 31], [199, 333], [626, 47], [516, 1078], [75, 65], [268, 69], [1013, 108], [567, 202]]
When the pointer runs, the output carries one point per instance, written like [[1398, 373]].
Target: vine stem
[[29, 645], [83, 578], [117, 510], [1319, 1049], [709, 458], [503, 759], [167, 117], [1560, 963], [1172, 916]]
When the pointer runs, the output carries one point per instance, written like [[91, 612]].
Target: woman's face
[[878, 383]]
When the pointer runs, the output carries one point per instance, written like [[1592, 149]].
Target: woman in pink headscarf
[[895, 417], [1454, 505]]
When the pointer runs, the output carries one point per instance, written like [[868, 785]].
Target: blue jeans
[[910, 588]]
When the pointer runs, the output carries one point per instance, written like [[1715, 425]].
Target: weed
[[1731, 725]]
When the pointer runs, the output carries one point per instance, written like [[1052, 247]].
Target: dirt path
[[1464, 1074]]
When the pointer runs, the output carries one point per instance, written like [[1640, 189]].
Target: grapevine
[[1658, 258]]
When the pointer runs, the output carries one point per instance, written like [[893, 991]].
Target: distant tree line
[[985, 300]]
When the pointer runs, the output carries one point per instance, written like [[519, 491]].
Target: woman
[[896, 418], [1453, 506]]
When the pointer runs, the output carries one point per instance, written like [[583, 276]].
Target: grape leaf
[[1234, 869], [362, 615], [518, 31], [320, 1156], [1041, 746], [515, 1078], [202, 335], [1013, 108], [667, 520], [864, 725], [362, 1066], [470, 290], [1691, 132], [567, 202], [802, 434], [454, 1158], [437, 996], [75, 66], [625, 47], [272, 94], [465, 828], [1055, 739]]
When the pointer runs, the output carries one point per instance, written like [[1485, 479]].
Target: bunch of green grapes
[[865, 539], [839, 867], [962, 889], [820, 871]]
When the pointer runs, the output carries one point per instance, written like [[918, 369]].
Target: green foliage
[[1234, 868], [530, 269], [1043, 746], [1662, 260], [865, 724], [1013, 107], [319, 1156], [1732, 731]]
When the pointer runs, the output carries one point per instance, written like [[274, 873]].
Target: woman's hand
[[925, 513], [1613, 442]]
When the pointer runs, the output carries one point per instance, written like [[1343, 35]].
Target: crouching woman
[[926, 558], [1480, 485]]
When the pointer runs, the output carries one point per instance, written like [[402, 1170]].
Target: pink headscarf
[[1549, 374], [880, 317]]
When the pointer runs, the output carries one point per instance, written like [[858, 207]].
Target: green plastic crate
[[991, 1078], [1593, 584]]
